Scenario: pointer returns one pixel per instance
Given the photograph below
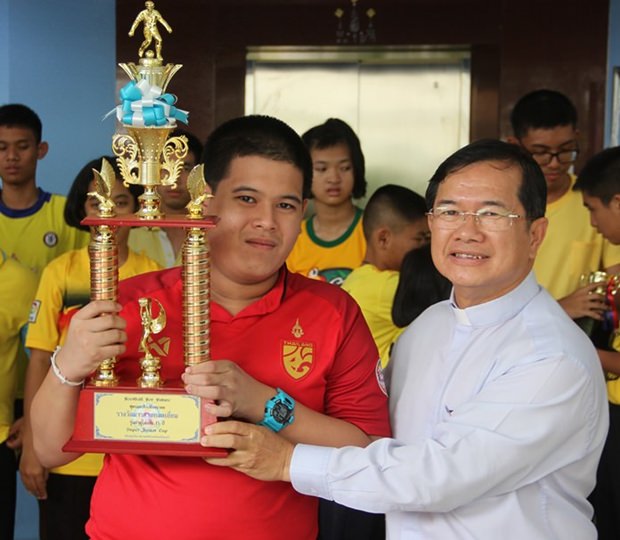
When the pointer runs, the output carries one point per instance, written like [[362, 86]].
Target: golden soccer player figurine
[[150, 325], [150, 17]]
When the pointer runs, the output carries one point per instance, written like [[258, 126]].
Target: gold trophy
[[602, 333], [149, 415]]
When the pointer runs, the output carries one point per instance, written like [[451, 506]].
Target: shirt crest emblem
[[297, 330], [297, 358], [34, 311]]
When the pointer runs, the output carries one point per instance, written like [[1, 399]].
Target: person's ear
[[42, 149], [614, 204], [538, 229], [512, 140], [384, 236]]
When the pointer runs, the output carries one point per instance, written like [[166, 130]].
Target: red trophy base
[[125, 419]]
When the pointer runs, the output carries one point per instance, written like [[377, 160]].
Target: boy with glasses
[[544, 123]]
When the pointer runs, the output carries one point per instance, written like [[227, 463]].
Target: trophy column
[[103, 253]]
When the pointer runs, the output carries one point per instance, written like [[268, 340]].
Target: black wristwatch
[[279, 411]]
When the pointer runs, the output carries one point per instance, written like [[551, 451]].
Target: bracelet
[[59, 374]]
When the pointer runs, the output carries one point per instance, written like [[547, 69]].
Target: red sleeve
[[355, 387]]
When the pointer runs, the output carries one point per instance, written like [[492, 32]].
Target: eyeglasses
[[487, 219], [564, 156]]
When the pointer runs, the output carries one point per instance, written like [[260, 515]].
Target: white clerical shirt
[[499, 414]]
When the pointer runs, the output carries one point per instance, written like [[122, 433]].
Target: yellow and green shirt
[[328, 261]]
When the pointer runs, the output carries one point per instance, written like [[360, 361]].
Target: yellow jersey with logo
[[36, 235], [64, 288], [329, 261]]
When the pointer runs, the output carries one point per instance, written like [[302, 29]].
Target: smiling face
[[260, 207], [332, 174], [484, 265]]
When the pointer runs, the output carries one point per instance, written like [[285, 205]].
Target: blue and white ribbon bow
[[143, 104]]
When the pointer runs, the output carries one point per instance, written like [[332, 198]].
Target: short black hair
[[193, 143], [542, 109], [335, 131], [420, 285], [78, 193], [532, 192], [18, 115], [254, 135], [600, 176], [392, 205]]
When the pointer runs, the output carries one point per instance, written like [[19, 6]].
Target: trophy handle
[[173, 153], [125, 149]]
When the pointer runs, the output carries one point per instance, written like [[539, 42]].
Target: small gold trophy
[[602, 333], [150, 415]]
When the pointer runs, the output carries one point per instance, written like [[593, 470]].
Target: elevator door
[[410, 108]]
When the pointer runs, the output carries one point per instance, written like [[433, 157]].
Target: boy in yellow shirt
[[394, 223]]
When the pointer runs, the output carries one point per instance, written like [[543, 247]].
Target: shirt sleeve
[[527, 424], [355, 391], [43, 332]]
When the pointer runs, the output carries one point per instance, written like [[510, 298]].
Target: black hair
[[193, 143], [78, 193], [17, 115], [600, 176], [335, 131], [420, 285], [254, 135], [392, 205], [532, 192], [542, 109]]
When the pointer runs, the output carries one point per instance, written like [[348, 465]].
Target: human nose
[[265, 217], [12, 153], [333, 175], [467, 226]]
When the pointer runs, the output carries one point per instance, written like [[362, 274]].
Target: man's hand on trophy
[[92, 338], [256, 451], [585, 302], [234, 392]]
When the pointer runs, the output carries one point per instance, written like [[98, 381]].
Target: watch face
[[281, 413]]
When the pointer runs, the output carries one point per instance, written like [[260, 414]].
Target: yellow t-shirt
[[17, 288], [328, 261], [64, 288], [36, 235], [374, 291], [571, 247]]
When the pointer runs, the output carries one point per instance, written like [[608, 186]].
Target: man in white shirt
[[497, 399]]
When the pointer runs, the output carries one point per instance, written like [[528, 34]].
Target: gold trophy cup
[[149, 415]]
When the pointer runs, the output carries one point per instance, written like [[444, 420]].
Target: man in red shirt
[[277, 337]]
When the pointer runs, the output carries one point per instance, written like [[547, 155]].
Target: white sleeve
[[528, 423]]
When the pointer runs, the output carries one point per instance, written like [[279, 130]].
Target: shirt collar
[[268, 303], [499, 310], [42, 198]]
